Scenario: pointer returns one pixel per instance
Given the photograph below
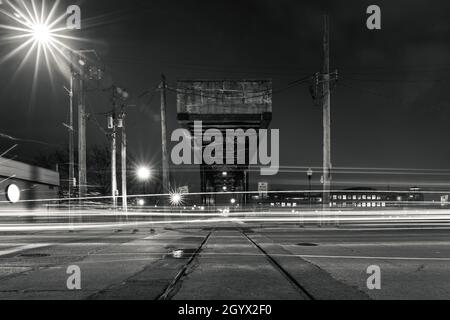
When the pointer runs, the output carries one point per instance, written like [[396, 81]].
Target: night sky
[[390, 109]]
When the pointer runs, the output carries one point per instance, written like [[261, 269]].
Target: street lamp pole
[[143, 174]]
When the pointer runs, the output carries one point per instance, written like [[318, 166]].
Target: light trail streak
[[276, 255], [157, 255], [7, 151], [8, 178], [107, 213], [320, 219], [186, 195], [22, 248]]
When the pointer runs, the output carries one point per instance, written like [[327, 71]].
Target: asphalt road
[[227, 261]]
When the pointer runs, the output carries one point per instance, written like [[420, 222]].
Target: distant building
[[364, 198], [371, 198], [20, 181]]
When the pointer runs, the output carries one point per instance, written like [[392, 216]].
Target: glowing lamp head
[[41, 33], [175, 199], [143, 173]]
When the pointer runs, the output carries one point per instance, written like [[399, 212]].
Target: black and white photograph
[[225, 155]]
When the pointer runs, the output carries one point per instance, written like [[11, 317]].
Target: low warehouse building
[[21, 182]]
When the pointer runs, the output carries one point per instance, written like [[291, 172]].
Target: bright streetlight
[[175, 199], [143, 173], [41, 33], [36, 29]]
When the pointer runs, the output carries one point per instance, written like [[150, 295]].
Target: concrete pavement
[[227, 261]]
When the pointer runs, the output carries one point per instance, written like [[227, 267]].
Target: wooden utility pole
[[113, 159], [82, 178], [124, 164], [72, 183], [165, 159], [326, 104], [115, 121]]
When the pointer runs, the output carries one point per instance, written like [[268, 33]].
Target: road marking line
[[372, 258]]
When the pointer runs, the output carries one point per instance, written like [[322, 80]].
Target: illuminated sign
[[13, 193]]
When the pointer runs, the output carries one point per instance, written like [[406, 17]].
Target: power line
[[224, 96], [2, 135], [396, 80], [373, 93]]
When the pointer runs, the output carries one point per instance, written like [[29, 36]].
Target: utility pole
[[118, 121], [82, 178], [113, 159], [71, 140], [165, 160], [70, 128], [326, 105], [124, 161], [84, 72]]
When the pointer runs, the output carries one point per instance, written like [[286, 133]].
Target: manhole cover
[[307, 244], [35, 255]]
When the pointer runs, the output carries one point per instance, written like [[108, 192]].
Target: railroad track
[[167, 294], [280, 269], [172, 287]]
